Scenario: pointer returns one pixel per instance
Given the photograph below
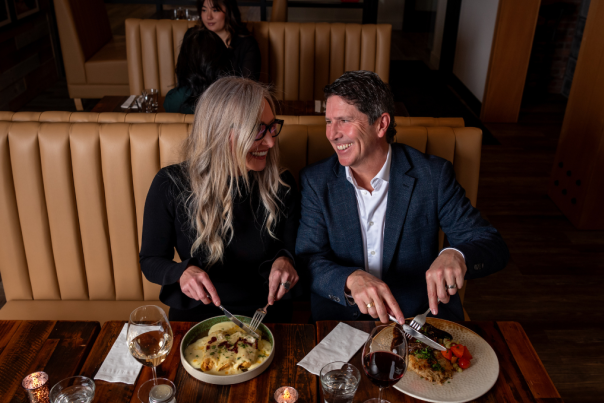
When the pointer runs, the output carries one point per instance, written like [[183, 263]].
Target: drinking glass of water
[[339, 381], [77, 389]]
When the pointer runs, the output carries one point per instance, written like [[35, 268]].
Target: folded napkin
[[119, 366], [341, 344]]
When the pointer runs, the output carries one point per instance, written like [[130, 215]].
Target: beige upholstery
[[72, 193], [279, 11], [95, 62], [299, 59]]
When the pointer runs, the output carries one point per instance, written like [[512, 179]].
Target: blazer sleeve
[[327, 277], [482, 245]]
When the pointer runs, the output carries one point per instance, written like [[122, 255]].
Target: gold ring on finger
[[370, 305]]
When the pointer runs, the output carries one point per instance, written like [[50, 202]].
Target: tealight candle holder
[[286, 394], [36, 387]]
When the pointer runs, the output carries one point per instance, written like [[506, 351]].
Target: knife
[[419, 336], [239, 323]]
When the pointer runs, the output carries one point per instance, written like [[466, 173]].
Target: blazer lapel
[[342, 195], [400, 189]]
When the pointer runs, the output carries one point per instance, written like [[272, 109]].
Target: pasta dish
[[227, 350]]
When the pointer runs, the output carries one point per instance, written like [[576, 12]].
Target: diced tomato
[[447, 354], [463, 363], [466, 354], [458, 350]]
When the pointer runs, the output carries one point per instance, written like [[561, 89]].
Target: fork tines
[[258, 317]]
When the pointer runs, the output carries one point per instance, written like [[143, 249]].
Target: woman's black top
[[245, 57], [241, 279]]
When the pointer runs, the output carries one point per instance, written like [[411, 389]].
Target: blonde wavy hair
[[226, 121]]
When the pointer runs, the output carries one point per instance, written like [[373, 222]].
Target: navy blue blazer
[[423, 195]]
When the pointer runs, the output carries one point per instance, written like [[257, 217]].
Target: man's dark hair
[[370, 95]]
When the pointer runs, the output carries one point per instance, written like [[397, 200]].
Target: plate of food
[[219, 352], [467, 370]]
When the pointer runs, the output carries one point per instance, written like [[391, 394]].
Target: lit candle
[[36, 387], [286, 394]]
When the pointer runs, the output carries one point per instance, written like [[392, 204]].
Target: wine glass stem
[[154, 375], [380, 396]]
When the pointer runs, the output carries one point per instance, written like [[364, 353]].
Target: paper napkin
[[119, 366], [341, 344]]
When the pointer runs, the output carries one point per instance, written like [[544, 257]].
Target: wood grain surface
[[293, 108], [58, 348], [293, 342], [522, 377]]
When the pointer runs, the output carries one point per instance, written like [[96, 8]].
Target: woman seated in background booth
[[229, 209], [203, 58], [223, 18]]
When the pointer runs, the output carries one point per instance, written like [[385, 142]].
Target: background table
[[522, 377], [295, 108], [58, 348], [292, 342]]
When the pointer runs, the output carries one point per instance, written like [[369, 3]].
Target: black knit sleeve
[[159, 234]]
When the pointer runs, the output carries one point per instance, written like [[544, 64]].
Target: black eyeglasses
[[274, 128]]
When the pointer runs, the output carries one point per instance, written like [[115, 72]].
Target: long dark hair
[[203, 58], [232, 16]]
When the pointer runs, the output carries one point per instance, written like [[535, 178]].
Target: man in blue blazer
[[371, 214]]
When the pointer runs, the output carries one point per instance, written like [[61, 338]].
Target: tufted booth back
[[299, 59], [72, 196]]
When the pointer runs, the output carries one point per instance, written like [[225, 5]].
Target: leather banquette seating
[[95, 60], [73, 188], [299, 59]]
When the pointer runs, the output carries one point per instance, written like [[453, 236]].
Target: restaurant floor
[[554, 281]]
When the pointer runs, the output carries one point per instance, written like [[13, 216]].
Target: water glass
[[77, 389], [152, 96], [339, 381], [180, 13]]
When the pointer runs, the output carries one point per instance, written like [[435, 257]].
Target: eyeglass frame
[[281, 121]]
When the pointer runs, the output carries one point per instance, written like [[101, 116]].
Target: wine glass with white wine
[[149, 339]]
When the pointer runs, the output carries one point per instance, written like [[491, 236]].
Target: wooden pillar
[[577, 180], [510, 54]]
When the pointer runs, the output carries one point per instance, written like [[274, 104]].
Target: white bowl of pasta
[[216, 351]]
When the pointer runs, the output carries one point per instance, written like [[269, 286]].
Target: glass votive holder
[[160, 390], [36, 387], [286, 394]]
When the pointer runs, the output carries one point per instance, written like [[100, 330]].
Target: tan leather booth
[[72, 193], [95, 60], [299, 59], [121, 117]]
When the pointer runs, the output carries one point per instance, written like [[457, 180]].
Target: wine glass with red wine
[[385, 357]]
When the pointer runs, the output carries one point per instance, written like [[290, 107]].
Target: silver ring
[[286, 285], [452, 287]]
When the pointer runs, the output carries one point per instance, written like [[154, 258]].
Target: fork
[[258, 316], [419, 321]]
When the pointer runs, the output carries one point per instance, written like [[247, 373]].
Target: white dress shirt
[[372, 214]]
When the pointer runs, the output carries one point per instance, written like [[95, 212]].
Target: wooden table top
[[522, 377], [295, 341], [58, 348], [295, 108]]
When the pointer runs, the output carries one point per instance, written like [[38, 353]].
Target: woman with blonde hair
[[229, 209]]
